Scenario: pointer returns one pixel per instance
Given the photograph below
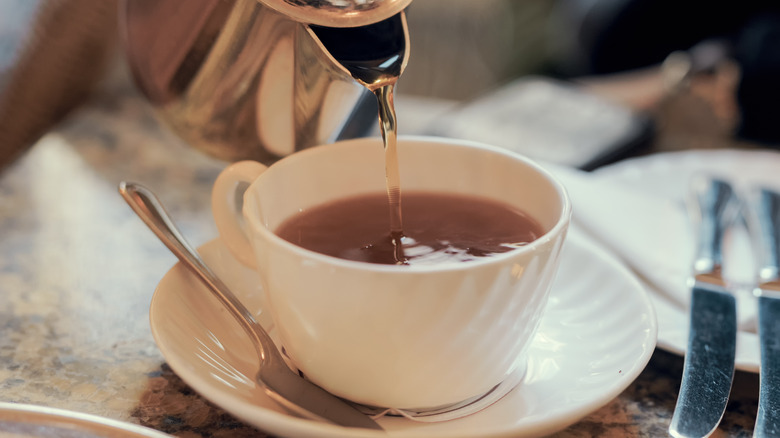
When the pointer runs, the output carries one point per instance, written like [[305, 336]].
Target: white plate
[[668, 175], [21, 420], [597, 334]]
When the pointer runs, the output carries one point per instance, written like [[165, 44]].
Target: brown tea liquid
[[375, 56], [438, 228]]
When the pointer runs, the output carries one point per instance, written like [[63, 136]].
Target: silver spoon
[[279, 382]]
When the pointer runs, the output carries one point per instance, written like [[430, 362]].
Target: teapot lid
[[338, 13]]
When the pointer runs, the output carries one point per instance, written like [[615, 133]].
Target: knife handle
[[713, 208], [764, 225]]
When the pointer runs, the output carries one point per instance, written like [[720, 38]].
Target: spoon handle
[[279, 382], [151, 211]]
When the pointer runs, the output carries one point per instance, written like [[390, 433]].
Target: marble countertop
[[78, 270]]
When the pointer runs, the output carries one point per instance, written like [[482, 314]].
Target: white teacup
[[405, 337]]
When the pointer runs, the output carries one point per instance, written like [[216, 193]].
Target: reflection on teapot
[[238, 79]]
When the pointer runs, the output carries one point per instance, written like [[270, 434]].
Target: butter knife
[[764, 225], [708, 368]]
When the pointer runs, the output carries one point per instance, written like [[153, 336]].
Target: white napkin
[[654, 236]]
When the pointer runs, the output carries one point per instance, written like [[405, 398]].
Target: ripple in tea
[[438, 228]]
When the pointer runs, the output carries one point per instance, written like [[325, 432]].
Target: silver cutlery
[[709, 359], [278, 381], [764, 224]]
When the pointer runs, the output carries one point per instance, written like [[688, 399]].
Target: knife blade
[[764, 225], [708, 366]]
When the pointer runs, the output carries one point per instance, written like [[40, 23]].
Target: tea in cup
[[431, 317]]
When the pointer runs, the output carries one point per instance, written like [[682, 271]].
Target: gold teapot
[[250, 79]]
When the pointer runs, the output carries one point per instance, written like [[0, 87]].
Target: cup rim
[[562, 221]]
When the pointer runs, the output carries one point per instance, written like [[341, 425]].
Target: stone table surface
[[78, 270]]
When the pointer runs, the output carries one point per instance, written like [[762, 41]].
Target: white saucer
[[22, 420], [667, 175], [597, 335]]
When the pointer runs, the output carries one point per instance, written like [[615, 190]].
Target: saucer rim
[[278, 422]]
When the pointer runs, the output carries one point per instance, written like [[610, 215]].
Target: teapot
[[250, 79]]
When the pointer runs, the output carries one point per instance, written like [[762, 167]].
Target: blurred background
[[708, 69]]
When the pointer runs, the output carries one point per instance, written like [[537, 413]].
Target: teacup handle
[[228, 188]]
